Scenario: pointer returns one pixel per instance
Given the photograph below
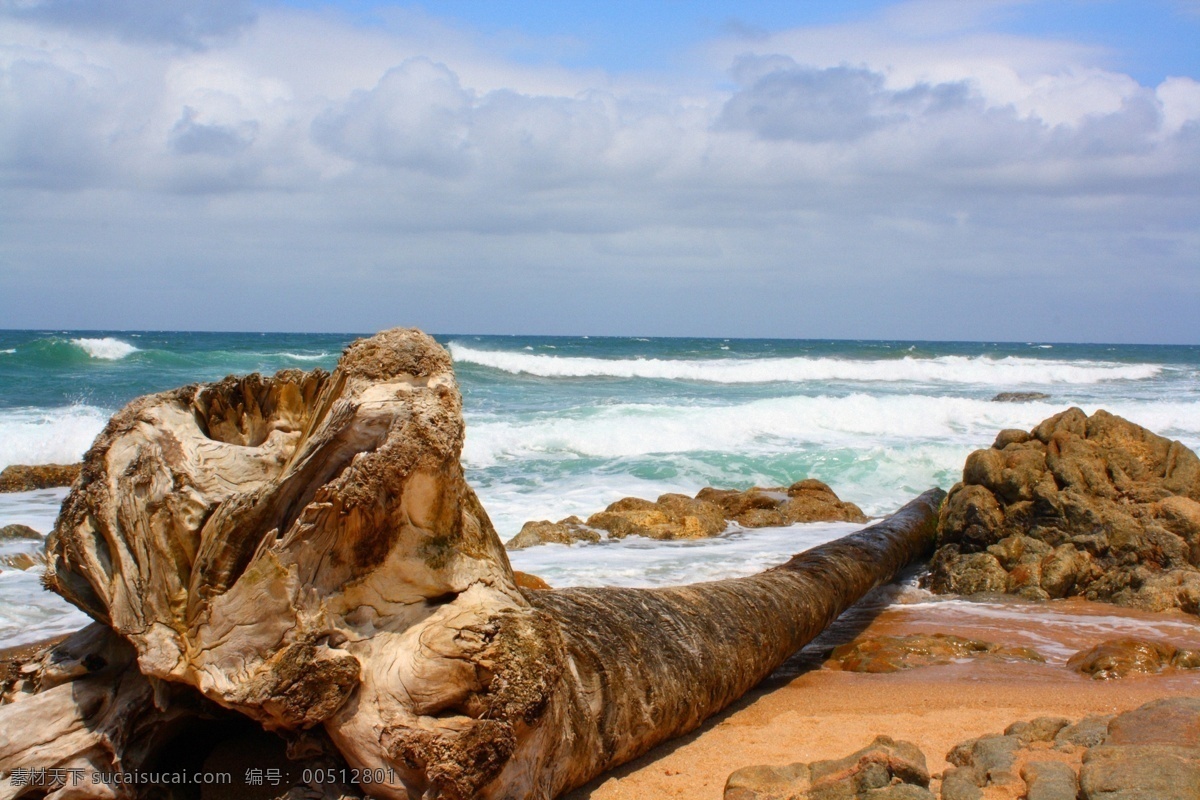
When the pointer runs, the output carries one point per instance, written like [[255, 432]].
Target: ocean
[[566, 425]]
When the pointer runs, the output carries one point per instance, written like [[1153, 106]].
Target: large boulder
[[1080, 506]]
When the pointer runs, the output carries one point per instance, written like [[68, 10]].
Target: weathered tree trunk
[[305, 550]]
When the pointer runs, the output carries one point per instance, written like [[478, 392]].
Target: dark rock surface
[[1080, 506]]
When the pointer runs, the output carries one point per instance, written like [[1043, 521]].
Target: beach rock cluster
[[1149, 753], [23, 478], [677, 516], [1091, 506], [1117, 658], [885, 769], [894, 653]]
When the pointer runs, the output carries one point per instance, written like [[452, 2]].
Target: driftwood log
[[305, 550]]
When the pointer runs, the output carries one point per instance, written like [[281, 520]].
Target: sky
[[989, 170]]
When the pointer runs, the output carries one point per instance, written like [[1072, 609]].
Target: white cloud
[[885, 152]]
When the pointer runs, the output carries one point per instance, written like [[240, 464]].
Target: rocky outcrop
[[883, 770], [895, 653], [305, 552], [672, 516], [22, 478], [1091, 506], [1117, 658], [808, 500], [1150, 753], [677, 516]]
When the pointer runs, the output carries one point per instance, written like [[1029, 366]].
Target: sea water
[[566, 425]]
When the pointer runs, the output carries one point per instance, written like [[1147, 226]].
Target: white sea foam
[[636, 561], [974, 370], [29, 613], [306, 356], [106, 349], [48, 435], [770, 425]]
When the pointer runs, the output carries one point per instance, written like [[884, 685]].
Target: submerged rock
[[895, 653], [1117, 658], [23, 478], [886, 769], [1019, 397], [1080, 506]]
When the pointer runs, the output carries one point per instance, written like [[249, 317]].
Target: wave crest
[[105, 349], [974, 370]]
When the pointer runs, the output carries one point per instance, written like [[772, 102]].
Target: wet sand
[[805, 712]]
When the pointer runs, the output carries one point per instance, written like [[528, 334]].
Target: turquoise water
[[566, 425]]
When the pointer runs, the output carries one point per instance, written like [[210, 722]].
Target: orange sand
[[805, 712]]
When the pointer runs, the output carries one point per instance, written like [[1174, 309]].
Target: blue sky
[[938, 169]]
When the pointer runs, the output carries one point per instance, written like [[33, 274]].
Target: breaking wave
[[1008, 371]]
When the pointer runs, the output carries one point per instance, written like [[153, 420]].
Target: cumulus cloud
[[857, 157]]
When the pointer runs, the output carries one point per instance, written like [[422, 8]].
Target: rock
[[959, 784], [19, 532], [303, 551], [1174, 721], [1117, 658], [1019, 397], [767, 783], [1080, 506], [1049, 780], [527, 581], [565, 531], [672, 516], [23, 561], [1140, 772], [989, 760], [676, 516], [878, 771], [1042, 729], [1088, 732], [22, 478], [808, 500], [894, 653]]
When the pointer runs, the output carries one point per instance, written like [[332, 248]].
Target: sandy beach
[[806, 713]]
